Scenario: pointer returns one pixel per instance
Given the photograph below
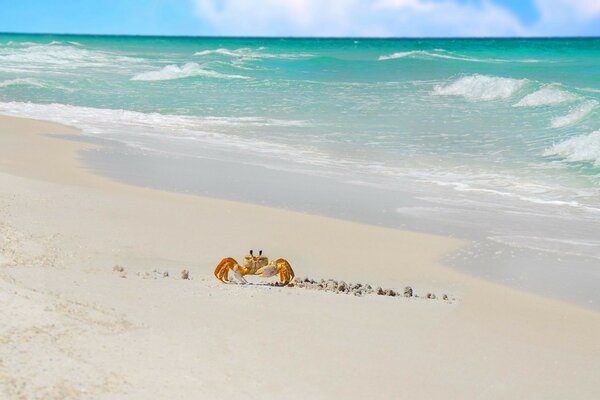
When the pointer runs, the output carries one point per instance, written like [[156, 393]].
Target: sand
[[72, 328]]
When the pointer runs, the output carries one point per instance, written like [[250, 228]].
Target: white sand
[[73, 329]]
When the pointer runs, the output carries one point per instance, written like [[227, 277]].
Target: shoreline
[[64, 228]]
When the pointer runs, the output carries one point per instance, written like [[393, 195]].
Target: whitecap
[[188, 70], [578, 148], [441, 53], [246, 53], [481, 87], [575, 115], [547, 95], [54, 54], [21, 82]]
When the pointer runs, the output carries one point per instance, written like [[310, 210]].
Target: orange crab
[[255, 265]]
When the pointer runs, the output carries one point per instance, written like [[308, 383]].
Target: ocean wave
[[575, 115], [21, 82], [64, 113], [188, 70], [31, 56], [440, 53], [481, 87], [546, 96], [151, 131], [248, 53], [579, 148]]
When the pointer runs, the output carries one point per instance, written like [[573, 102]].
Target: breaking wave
[[546, 96], [439, 53], [481, 87], [188, 70], [34, 57], [575, 115], [21, 82], [579, 148], [249, 53]]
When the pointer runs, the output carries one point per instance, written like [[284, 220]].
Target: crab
[[255, 265]]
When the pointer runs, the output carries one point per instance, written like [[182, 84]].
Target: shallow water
[[494, 140]]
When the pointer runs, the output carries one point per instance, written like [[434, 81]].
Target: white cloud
[[392, 18], [567, 17]]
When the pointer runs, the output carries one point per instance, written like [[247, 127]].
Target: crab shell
[[255, 263]]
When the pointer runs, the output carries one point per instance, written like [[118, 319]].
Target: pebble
[[408, 292], [185, 274]]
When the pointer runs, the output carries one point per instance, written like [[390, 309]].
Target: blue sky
[[305, 17]]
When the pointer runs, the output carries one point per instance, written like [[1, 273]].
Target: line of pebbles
[[356, 289], [329, 285]]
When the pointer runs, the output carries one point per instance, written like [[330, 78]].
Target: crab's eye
[[260, 253], [251, 252]]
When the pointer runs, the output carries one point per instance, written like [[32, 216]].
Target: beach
[[74, 328]]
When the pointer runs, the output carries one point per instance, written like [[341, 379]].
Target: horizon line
[[299, 37]]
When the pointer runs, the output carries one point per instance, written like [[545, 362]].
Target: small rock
[[379, 291], [428, 295], [445, 297], [118, 268], [358, 293], [368, 289], [391, 292], [433, 296], [165, 274], [342, 286], [185, 274], [408, 292]]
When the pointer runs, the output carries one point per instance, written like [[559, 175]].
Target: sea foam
[[57, 55], [481, 87], [188, 70], [546, 96], [575, 115], [579, 148], [443, 54], [250, 53], [21, 82]]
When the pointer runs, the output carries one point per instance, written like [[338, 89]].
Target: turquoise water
[[510, 122]]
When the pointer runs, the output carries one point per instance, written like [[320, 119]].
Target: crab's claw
[[279, 266], [222, 270]]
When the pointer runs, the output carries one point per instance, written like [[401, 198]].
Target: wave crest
[[21, 82], [579, 148], [29, 56], [481, 87], [575, 115], [546, 96], [247, 53], [440, 53], [188, 70]]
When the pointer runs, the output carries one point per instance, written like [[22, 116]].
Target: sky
[[370, 18]]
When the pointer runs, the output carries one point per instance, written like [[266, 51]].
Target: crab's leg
[[238, 275], [222, 269]]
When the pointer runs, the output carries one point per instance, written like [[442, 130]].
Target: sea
[[492, 140]]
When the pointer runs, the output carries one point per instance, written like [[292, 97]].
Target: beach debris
[[118, 269], [349, 288], [185, 274]]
